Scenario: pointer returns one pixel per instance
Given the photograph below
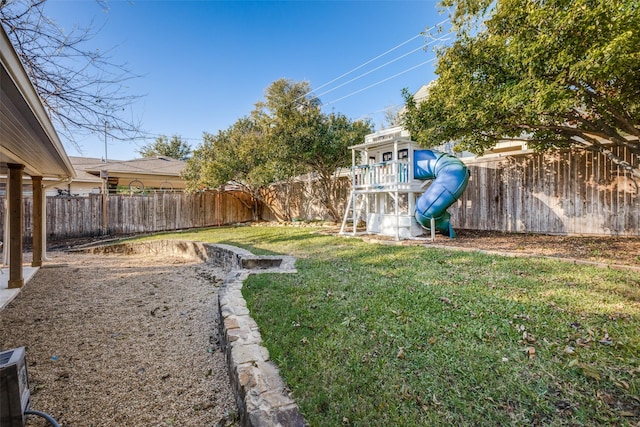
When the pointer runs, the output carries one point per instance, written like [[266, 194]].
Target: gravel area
[[118, 340]]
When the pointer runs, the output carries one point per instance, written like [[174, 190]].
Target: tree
[[81, 88], [392, 116], [252, 154], [175, 148], [326, 151], [284, 136], [315, 142], [560, 73], [241, 156]]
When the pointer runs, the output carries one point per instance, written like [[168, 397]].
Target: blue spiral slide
[[450, 177]]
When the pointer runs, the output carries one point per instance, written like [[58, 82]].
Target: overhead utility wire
[[366, 63], [379, 82], [368, 115], [373, 59], [366, 73], [149, 135], [377, 68]]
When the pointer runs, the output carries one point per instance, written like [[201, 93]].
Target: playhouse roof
[[383, 137]]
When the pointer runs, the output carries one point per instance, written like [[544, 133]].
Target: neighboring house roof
[[151, 171], [27, 135], [422, 93], [419, 96]]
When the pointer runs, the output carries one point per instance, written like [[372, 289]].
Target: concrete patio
[[7, 295]]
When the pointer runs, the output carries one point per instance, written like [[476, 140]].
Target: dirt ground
[[602, 249], [122, 341]]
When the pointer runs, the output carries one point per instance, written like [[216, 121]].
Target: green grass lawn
[[376, 335]]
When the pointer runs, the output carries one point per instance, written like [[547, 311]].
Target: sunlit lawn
[[375, 335]]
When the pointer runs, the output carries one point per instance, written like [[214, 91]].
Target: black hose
[[47, 417]]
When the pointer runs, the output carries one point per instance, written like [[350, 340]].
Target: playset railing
[[380, 175]]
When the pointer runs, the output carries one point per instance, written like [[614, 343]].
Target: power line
[[379, 82], [367, 73], [147, 135], [365, 64], [374, 59], [368, 115], [143, 137], [378, 67]]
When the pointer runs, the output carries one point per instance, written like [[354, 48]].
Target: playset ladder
[[355, 213]]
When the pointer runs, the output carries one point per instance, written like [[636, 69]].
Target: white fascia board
[[11, 62]]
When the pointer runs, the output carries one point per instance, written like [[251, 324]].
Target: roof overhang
[[27, 135]]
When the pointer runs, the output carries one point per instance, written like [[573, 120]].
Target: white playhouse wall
[[384, 190]]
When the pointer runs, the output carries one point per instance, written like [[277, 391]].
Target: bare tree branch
[[82, 88]]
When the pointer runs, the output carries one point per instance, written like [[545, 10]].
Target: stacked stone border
[[261, 395]]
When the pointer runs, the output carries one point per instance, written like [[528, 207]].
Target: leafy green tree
[[241, 156], [314, 142], [326, 150], [560, 73], [175, 148], [284, 136]]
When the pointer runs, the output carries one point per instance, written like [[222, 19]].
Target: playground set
[[400, 190]]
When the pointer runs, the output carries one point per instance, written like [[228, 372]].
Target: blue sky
[[204, 64]]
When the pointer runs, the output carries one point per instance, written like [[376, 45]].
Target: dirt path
[[122, 341]]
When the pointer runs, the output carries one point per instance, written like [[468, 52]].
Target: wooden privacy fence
[[69, 217], [173, 211], [568, 192], [305, 201]]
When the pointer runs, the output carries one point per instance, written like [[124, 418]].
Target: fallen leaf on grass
[[400, 354], [527, 337], [530, 352], [623, 385], [606, 340], [583, 342], [606, 397]]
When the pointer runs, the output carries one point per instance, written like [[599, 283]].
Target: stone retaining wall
[[261, 395]]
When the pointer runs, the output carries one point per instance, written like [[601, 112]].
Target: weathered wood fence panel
[[173, 211], [72, 216], [569, 192], [69, 217], [305, 202]]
